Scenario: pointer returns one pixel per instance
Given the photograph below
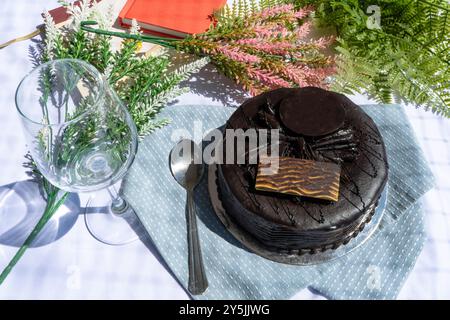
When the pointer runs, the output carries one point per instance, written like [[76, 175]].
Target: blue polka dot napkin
[[375, 270]]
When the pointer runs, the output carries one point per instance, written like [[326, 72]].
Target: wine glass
[[82, 139]]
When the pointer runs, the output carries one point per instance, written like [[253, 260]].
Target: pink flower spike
[[323, 42], [304, 12], [303, 75], [304, 30], [276, 48], [267, 78], [270, 32], [317, 76], [254, 91], [237, 55], [276, 10], [295, 75], [248, 41]]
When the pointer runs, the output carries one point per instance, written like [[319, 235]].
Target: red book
[[177, 18]]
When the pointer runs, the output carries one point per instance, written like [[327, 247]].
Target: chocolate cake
[[318, 126]]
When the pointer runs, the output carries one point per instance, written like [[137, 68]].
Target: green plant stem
[[162, 41], [52, 206]]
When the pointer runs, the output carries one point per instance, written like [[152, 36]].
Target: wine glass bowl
[[80, 134]]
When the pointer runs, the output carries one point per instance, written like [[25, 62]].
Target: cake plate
[[295, 259]]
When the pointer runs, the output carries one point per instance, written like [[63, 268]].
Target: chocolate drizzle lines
[[290, 216], [372, 137], [339, 147], [251, 195], [320, 220], [349, 201], [299, 201], [373, 174], [372, 152], [274, 207], [288, 213], [354, 191]]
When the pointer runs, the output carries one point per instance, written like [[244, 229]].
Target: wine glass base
[[108, 226]]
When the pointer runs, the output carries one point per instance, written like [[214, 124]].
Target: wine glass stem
[[119, 205]]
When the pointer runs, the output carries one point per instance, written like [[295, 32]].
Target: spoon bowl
[[186, 163]]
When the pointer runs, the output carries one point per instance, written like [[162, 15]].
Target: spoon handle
[[197, 276]]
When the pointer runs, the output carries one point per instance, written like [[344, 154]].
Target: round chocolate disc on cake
[[324, 113], [315, 127]]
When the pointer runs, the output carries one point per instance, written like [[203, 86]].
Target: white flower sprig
[[105, 18], [135, 28], [79, 12], [52, 36]]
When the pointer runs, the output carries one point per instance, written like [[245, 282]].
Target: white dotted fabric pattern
[[376, 270]]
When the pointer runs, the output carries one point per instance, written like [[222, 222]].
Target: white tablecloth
[[76, 266]]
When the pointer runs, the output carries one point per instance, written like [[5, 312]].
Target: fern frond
[[408, 59]]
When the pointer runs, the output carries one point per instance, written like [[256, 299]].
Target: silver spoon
[[187, 168]]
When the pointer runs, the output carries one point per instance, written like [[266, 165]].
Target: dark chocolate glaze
[[287, 222]]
